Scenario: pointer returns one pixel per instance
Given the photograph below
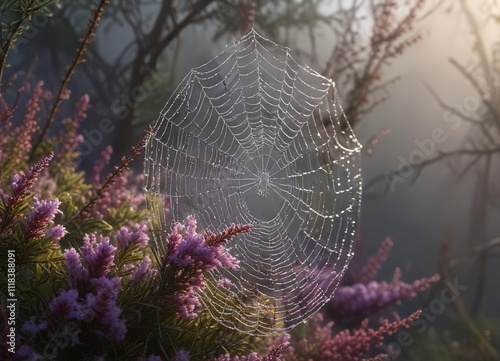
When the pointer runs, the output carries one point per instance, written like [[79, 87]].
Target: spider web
[[252, 136]]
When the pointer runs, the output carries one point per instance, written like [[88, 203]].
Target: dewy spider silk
[[253, 136]]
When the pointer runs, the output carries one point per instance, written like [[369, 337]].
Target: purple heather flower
[[194, 254], [26, 353], [150, 358], [66, 306], [143, 270], [56, 233], [127, 238], [127, 267], [182, 355], [359, 299], [19, 187], [40, 216], [174, 238], [191, 225], [193, 251], [187, 305], [99, 256], [103, 305], [70, 139], [76, 272], [29, 125], [251, 357], [99, 166], [45, 185], [21, 184], [224, 282], [123, 190], [33, 326]]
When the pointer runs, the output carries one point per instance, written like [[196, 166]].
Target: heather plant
[[88, 281], [360, 295]]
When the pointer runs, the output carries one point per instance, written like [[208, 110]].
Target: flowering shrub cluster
[[88, 279], [359, 295]]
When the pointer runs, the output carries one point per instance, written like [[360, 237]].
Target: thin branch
[[453, 110], [418, 167], [111, 178], [93, 24], [479, 46], [475, 83]]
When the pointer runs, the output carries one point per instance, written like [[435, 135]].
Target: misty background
[[418, 214]]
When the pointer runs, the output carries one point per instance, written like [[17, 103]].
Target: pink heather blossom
[[28, 125], [124, 190], [33, 326], [76, 272], [71, 140], [40, 216], [192, 250], [174, 238], [25, 352], [99, 256], [182, 355], [99, 166], [45, 186], [191, 226], [143, 270], [374, 263], [187, 304], [19, 188], [361, 299], [56, 233], [224, 282], [66, 306], [190, 255], [150, 358], [127, 238], [102, 303]]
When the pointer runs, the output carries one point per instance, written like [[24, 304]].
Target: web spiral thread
[[253, 136]]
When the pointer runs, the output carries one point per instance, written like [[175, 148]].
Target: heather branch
[[93, 24], [111, 178], [374, 263], [19, 191], [215, 239]]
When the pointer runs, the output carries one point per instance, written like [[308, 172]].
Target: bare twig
[[418, 167], [93, 24], [111, 178]]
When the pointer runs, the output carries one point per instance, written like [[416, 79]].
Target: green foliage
[[16, 15]]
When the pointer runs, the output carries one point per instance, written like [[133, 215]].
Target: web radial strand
[[252, 136]]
